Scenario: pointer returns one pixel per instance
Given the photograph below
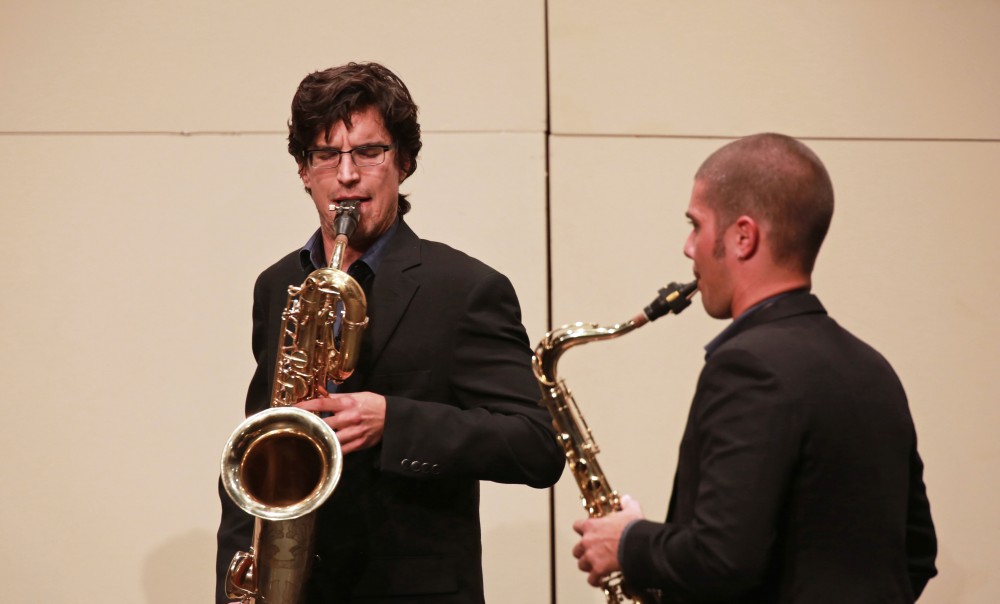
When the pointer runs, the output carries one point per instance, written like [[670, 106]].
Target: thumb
[[630, 505]]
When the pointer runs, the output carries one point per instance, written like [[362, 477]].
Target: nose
[[689, 246], [347, 172]]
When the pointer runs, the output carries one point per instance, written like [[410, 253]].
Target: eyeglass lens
[[367, 155]]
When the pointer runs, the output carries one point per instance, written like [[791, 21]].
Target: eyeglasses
[[327, 158]]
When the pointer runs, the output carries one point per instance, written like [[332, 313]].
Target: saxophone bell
[[279, 465]]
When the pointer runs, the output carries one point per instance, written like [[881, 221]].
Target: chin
[[714, 310]]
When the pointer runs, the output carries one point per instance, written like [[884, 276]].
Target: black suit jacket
[[798, 478], [446, 346]]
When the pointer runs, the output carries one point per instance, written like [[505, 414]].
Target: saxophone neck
[[672, 298], [344, 224], [339, 247], [558, 341]]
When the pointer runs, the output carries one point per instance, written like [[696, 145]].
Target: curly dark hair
[[334, 95]]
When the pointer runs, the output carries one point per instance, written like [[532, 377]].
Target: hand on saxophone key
[[358, 418], [597, 550]]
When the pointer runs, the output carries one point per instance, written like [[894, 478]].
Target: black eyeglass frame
[[307, 155]]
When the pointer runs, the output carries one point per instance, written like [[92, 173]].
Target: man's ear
[[306, 180], [404, 172], [746, 233]]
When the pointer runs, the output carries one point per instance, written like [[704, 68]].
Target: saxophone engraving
[[281, 464], [596, 494]]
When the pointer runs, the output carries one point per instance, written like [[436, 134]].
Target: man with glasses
[[443, 395]]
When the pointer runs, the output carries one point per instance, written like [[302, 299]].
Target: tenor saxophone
[[572, 432], [281, 464]]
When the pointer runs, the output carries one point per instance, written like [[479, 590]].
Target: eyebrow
[[329, 148]]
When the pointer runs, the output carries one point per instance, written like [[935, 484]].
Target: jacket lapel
[[392, 291]]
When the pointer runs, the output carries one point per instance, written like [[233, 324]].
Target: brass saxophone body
[[597, 496], [281, 464]]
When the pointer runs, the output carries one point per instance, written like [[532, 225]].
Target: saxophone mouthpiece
[[671, 299], [347, 218]]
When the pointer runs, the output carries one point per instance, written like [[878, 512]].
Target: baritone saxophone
[[596, 494], [282, 464]]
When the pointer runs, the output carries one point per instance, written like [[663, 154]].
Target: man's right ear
[[404, 170], [747, 237]]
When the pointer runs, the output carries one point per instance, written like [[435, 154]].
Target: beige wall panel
[[909, 266], [129, 263], [128, 351], [894, 68], [119, 65]]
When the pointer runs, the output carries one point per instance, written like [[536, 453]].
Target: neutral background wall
[[144, 184]]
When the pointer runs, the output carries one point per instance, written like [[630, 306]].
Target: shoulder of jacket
[[437, 255], [287, 268]]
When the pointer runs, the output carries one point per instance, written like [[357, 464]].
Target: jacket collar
[[775, 308]]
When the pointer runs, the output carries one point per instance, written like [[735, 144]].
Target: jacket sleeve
[[921, 540], [489, 425], [744, 438]]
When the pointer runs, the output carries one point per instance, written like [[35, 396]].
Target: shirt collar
[[313, 254], [740, 320]]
